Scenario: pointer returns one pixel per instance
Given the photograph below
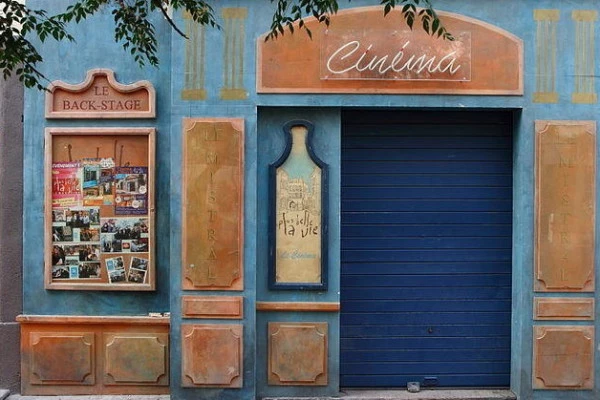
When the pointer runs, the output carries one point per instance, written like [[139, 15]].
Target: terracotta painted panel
[[136, 358], [222, 307], [363, 52], [62, 358], [563, 309], [131, 358], [563, 357], [213, 204], [100, 96], [212, 355], [297, 353], [565, 205]]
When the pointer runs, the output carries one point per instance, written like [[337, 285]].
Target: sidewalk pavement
[[94, 397], [344, 395]]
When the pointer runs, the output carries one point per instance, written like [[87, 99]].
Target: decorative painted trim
[[273, 283], [98, 103], [563, 309], [546, 15], [90, 320], [212, 307], [233, 54], [195, 60], [584, 91], [297, 306], [545, 65]]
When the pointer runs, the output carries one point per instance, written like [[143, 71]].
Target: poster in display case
[[99, 209]]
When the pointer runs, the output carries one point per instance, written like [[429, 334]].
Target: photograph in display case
[[99, 209]]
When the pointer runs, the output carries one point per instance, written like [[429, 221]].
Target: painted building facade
[[367, 208]]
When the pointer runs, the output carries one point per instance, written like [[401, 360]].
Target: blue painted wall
[[264, 114], [69, 62]]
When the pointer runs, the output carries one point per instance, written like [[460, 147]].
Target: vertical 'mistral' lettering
[[565, 206], [212, 204]]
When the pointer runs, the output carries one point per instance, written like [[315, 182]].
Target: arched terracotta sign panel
[[364, 52], [100, 96]]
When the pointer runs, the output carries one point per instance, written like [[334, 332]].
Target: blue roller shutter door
[[426, 248]]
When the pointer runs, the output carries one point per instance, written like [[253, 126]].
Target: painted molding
[[563, 309], [297, 306], [100, 96], [90, 320]]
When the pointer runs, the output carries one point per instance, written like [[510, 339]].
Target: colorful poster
[[66, 185], [91, 183], [131, 187], [106, 186]]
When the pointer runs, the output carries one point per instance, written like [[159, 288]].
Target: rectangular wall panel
[[212, 355], [94, 355], [213, 177], [136, 358], [563, 309], [565, 204], [220, 307], [297, 353], [563, 357]]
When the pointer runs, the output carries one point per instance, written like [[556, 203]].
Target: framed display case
[[99, 209]]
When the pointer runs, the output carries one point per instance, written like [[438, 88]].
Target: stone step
[[428, 394]]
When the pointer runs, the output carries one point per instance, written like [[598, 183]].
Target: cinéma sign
[[364, 52], [396, 55]]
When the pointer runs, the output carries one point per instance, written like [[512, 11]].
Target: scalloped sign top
[[100, 96]]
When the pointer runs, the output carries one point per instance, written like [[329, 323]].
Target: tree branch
[[170, 20]]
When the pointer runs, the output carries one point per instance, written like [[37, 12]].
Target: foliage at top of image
[[133, 29]]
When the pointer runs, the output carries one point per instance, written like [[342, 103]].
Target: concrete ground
[[345, 395]]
